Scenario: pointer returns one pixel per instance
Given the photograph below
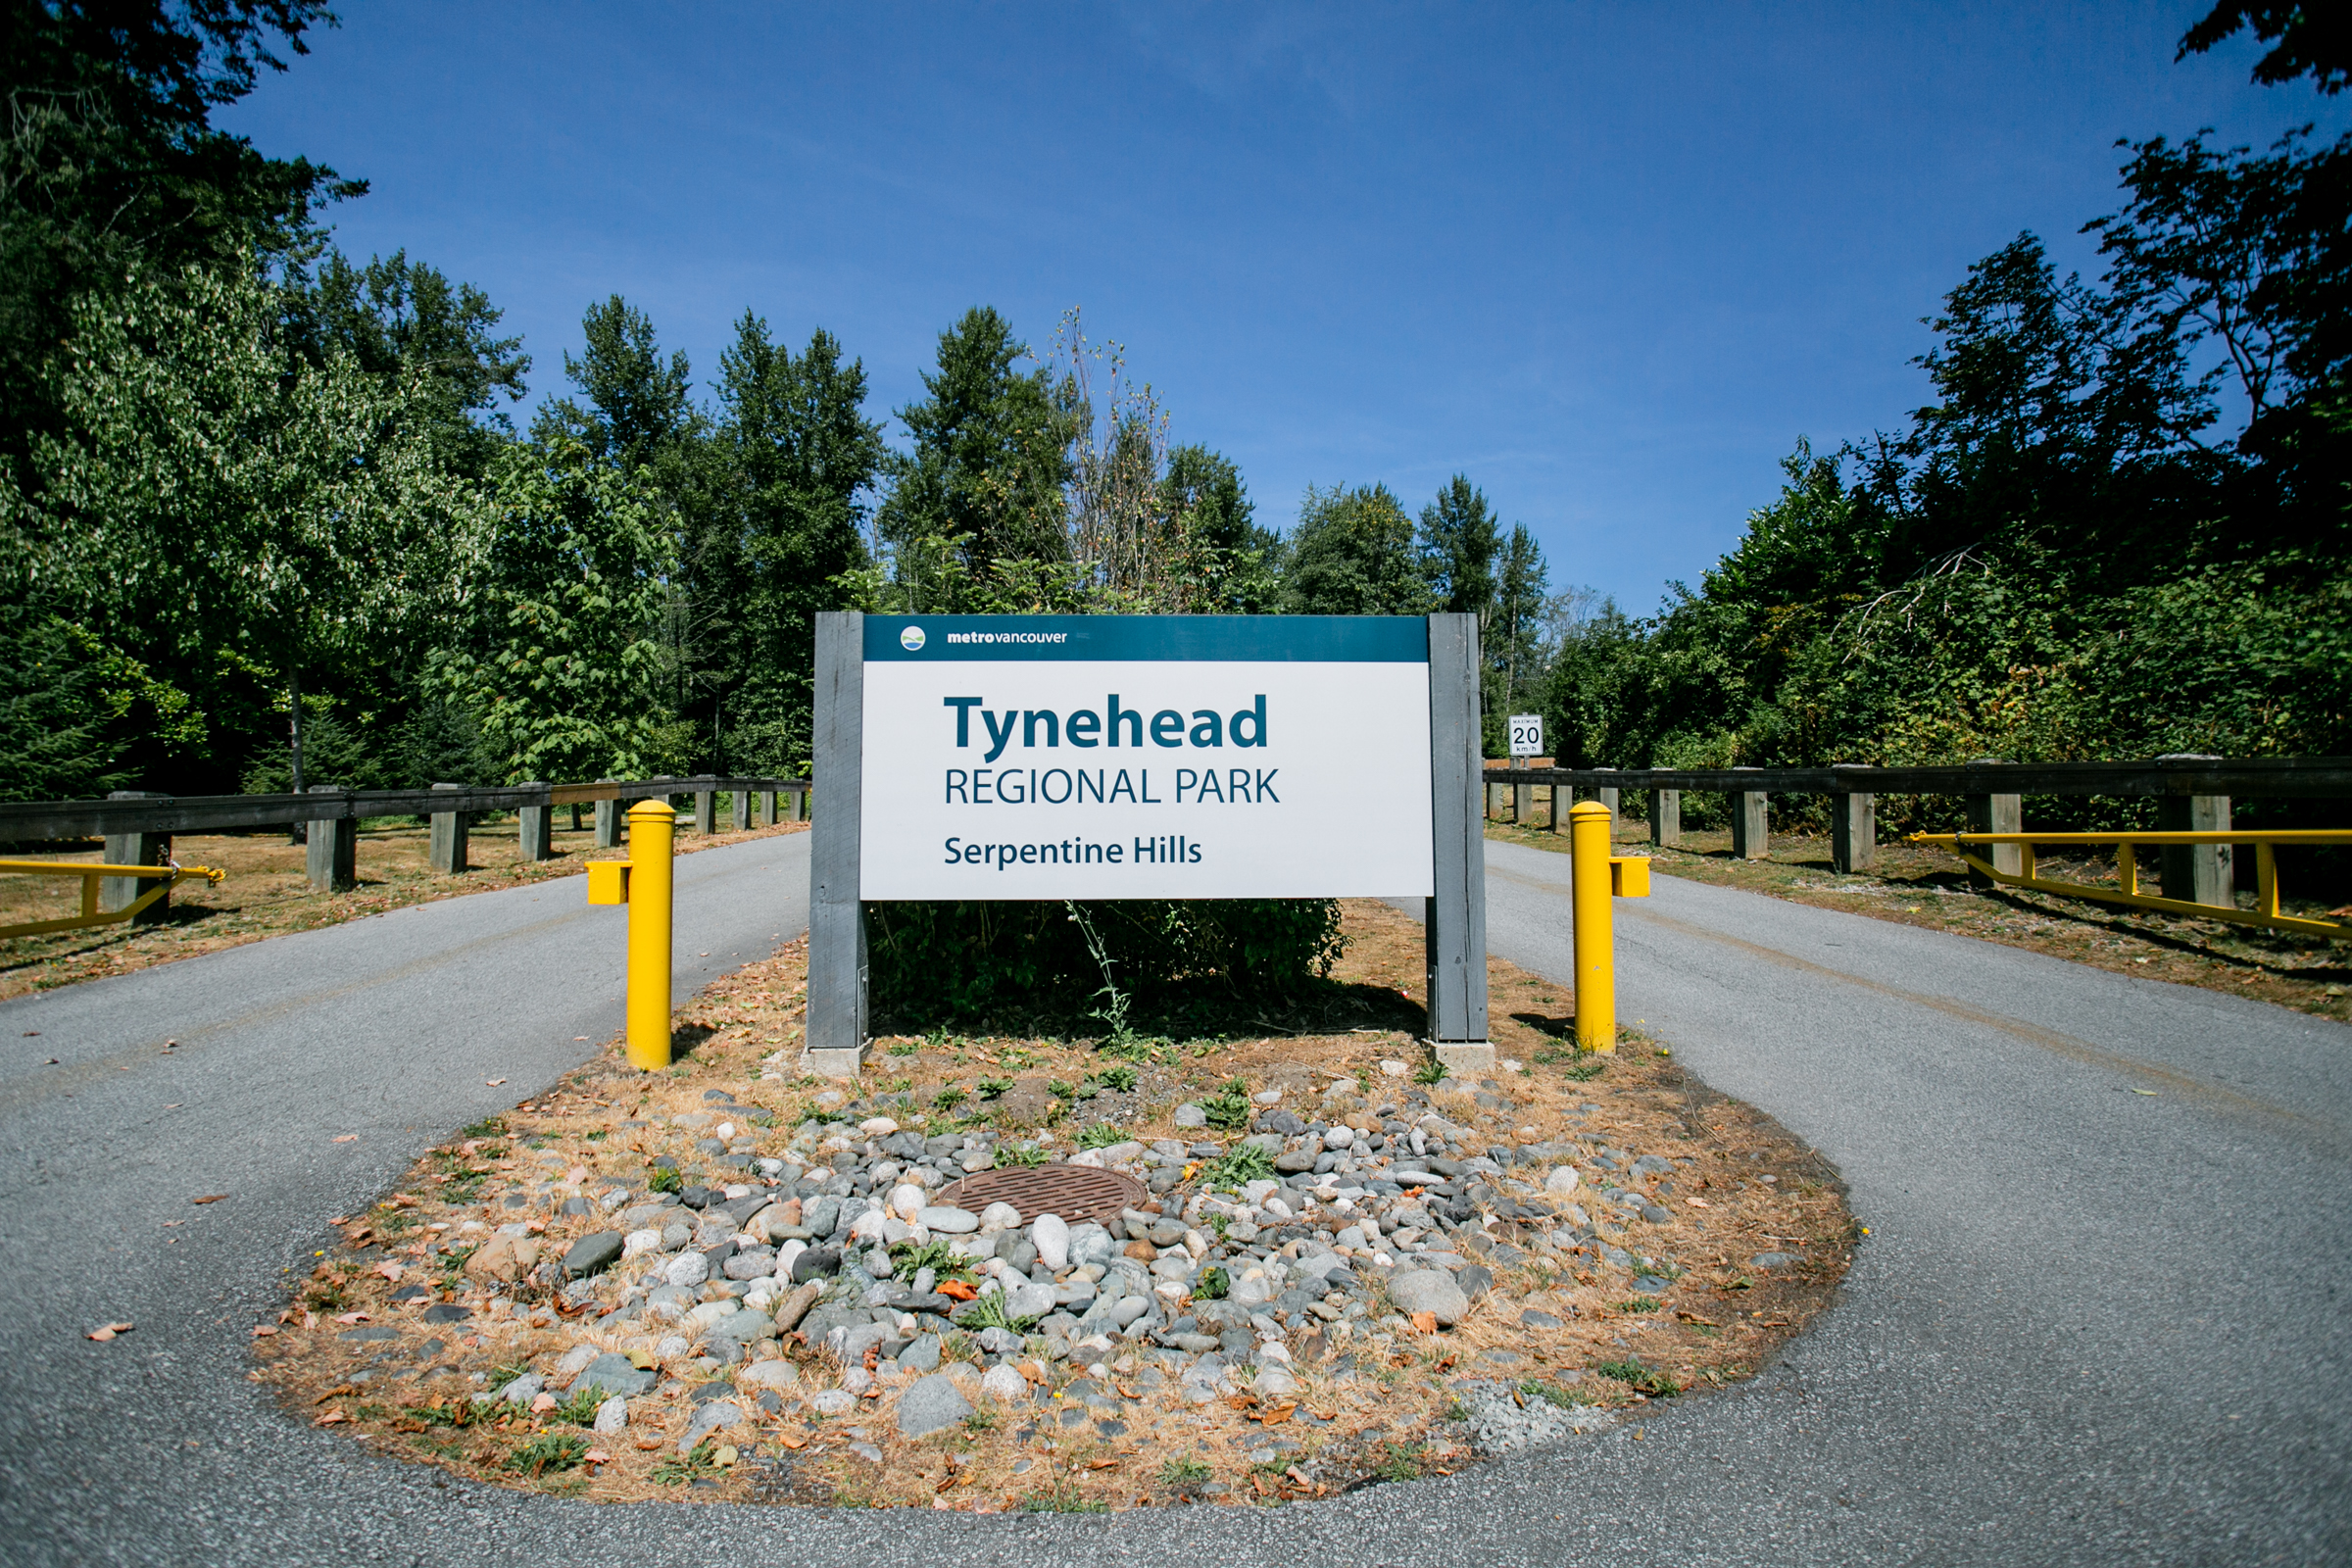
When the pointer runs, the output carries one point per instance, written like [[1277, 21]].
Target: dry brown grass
[[266, 894], [1366, 1402]]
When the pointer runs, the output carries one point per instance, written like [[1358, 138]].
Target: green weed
[[1637, 1303], [1640, 1378], [1243, 1162], [948, 1098], [995, 1088], [1432, 1071], [665, 1179], [1100, 1135], [1186, 1471], [1121, 1079], [701, 1461], [1553, 1393], [548, 1451], [1212, 1285], [487, 1127]]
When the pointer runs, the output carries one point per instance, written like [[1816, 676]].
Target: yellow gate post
[[1596, 959], [652, 825], [643, 883]]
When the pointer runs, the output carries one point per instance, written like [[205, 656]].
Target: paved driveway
[[2099, 1321]]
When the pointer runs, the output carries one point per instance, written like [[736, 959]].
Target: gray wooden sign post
[[1454, 922], [837, 1036], [1456, 917]]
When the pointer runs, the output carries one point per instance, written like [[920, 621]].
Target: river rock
[[931, 1404], [1425, 1289], [1051, 1234]]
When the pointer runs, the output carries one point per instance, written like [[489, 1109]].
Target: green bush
[[977, 959]]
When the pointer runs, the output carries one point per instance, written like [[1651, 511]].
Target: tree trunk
[[298, 833]]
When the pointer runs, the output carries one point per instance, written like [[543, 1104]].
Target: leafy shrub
[[968, 960]]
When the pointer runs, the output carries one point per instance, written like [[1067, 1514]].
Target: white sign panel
[[1146, 757], [1527, 734]]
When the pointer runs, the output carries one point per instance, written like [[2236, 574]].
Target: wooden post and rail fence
[[138, 829], [2195, 841]]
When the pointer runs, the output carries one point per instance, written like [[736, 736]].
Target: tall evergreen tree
[[984, 484], [800, 455], [1459, 539]]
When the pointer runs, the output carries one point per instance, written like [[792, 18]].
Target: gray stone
[[708, 1419], [931, 1404], [920, 1356], [1285, 1123], [947, 1221], [1532, 1319], [1475, 1281], [1421, 1289], [1761, 1261], [1189, 1115], [447, 1312], [813, 1262], [614, 1375], [375, 1331]]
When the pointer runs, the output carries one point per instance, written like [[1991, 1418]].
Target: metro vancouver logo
[[912, 638]]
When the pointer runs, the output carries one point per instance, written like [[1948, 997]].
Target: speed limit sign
[[1527, 734]]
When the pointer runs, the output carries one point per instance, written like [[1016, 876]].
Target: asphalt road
[[2098, 1323]]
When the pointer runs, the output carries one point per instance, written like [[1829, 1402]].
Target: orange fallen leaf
[[390, 1270], [597, 1456], [541, 1403], [1425, 1322], [102, 1335], [1104, 1464], [331, 1418], [262, 1331], [1698, 1203], [792, 1440], [209, 1198], [336, 1393], [649, 1444], [351, 1317], [494, 1082], [957, 1289], [340, 1219], [1276, 1416], [348, 1138]]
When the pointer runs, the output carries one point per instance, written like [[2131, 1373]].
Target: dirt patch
[[1914, 885], [268, 894], [1712, 1237]]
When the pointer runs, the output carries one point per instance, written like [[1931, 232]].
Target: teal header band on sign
[[1212, 639]]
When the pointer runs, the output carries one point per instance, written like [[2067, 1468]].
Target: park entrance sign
[[1146, 757], [1134, 757]]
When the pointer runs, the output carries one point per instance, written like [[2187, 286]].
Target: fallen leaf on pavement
[[262, 1331], [348, 1138], [209, 1198], [109, 1332], [331, 1418], [494, 1082]]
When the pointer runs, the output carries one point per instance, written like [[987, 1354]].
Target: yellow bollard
[[652, 825], [1596, 953]]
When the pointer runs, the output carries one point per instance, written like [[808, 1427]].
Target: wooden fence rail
[[2193, 794], [139, 826]]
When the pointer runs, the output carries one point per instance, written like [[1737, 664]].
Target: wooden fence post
[[706, 808], [1996, 813], [1523, 798], [331, 859], [1562, 797], [608, 822], [1666, 818], [136, 849], [1608, 796], [1750, 823], [2197, 873], [445, 851], [1853, 830], [535, 827]]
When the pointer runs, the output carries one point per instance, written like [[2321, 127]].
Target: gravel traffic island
[[1003, 1273]]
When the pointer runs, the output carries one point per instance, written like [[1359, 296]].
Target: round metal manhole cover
[[1073, 1191]]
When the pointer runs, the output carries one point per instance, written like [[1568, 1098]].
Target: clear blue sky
[[1610, 261]]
